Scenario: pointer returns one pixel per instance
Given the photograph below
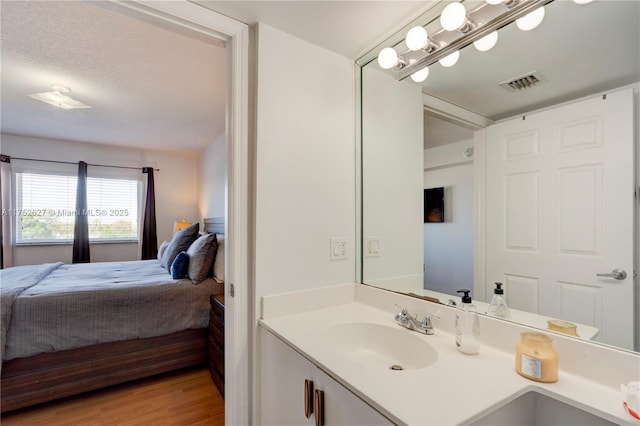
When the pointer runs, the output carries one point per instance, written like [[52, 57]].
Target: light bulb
[[486, 42], [582, 1], [387, 58], [494, 1], [453, 17], [420, 76], [450, 60], [531, 20], [417, 38]]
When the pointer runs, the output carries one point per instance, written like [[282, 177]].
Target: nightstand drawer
[[216, 357], [216, 338], [215, 345], [217, 309], [215, 322]]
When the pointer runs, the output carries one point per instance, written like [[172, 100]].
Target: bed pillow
[[218, 264], [201, 254], [162, 249], [180, 266], [180, 242]]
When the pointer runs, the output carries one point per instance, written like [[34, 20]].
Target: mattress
[[58, 306]]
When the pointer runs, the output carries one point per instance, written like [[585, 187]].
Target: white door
[[559, 203]]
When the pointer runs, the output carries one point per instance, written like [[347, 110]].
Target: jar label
[[532, 366]]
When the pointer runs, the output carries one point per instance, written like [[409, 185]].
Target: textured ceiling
[[149, 87]]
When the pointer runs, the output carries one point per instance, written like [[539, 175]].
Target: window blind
[[46, 208]]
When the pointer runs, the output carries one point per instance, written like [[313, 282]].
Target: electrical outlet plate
[[372, 247], [338, 248]]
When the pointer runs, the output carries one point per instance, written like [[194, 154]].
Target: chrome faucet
[[406, 320]]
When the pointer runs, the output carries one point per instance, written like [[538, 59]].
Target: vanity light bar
[[410, 65]]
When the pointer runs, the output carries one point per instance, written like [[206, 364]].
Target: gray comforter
[[54, 307]]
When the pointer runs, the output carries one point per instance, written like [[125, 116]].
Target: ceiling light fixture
[[417, 38], [460, 28], [388, 58], [454, 18], [450, 60], [420, 76], [58, 98], [531, 20], [486, 42]]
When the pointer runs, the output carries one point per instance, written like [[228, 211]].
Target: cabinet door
[[283, 372], [283, 375], [341, 407]]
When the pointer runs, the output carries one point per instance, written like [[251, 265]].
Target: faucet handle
[[403, 310], [435, 316], [426, 322], [401, 316], [427, 325]]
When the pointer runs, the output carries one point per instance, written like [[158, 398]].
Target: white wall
[[213, 179], [176, 187], [448, 246], [304, 170], [305, 164], [392, 174]]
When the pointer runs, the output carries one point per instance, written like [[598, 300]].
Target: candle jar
[[563, 327], [536, 359]]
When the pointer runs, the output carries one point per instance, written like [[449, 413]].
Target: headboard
[[214, 225]]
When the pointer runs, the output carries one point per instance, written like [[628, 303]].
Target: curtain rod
[[88, 164]]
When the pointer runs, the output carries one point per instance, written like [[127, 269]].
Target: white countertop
[[456, 389]]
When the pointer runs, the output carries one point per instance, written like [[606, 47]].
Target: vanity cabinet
[[284, 372]]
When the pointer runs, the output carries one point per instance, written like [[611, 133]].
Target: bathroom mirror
[[459, 128]]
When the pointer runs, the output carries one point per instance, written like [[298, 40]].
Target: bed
[[68, 329]]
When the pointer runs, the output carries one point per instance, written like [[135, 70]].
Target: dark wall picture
[[434, 205]]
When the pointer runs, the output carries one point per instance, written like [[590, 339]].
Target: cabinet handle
[[319, 402], [308, 398]]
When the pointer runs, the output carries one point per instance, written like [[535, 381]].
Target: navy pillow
[[180, 242], [180, 266]]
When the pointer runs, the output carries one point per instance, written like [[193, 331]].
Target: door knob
[[618, 274]]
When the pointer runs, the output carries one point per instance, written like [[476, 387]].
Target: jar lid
[[561, 324], [535, 337]]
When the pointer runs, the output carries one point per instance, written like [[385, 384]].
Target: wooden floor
[[186, 397]]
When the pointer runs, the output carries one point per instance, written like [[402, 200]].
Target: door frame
[[234, 35]]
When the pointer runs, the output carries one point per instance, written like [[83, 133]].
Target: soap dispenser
[[498, 306], [467, 325]]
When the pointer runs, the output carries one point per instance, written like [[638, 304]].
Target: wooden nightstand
[[216, 341]]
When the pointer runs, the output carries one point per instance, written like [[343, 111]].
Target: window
[[46, 208]]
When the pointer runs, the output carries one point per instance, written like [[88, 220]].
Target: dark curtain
[[81, 228], [3, 159], [149, 233]]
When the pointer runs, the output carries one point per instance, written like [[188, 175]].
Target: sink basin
[[380, 346], [533, 409]]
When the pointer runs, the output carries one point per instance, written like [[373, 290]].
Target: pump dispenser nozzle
[[466, 298], [498, 306], [467, 325]]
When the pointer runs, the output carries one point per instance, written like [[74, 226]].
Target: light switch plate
[[372, 247], [338, 248]]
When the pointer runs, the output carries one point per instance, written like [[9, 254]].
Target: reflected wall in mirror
[[539, 182]]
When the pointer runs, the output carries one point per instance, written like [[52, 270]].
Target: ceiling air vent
[[526, 81]]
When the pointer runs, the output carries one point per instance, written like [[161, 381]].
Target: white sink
[[534, 409], [380, 346]]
